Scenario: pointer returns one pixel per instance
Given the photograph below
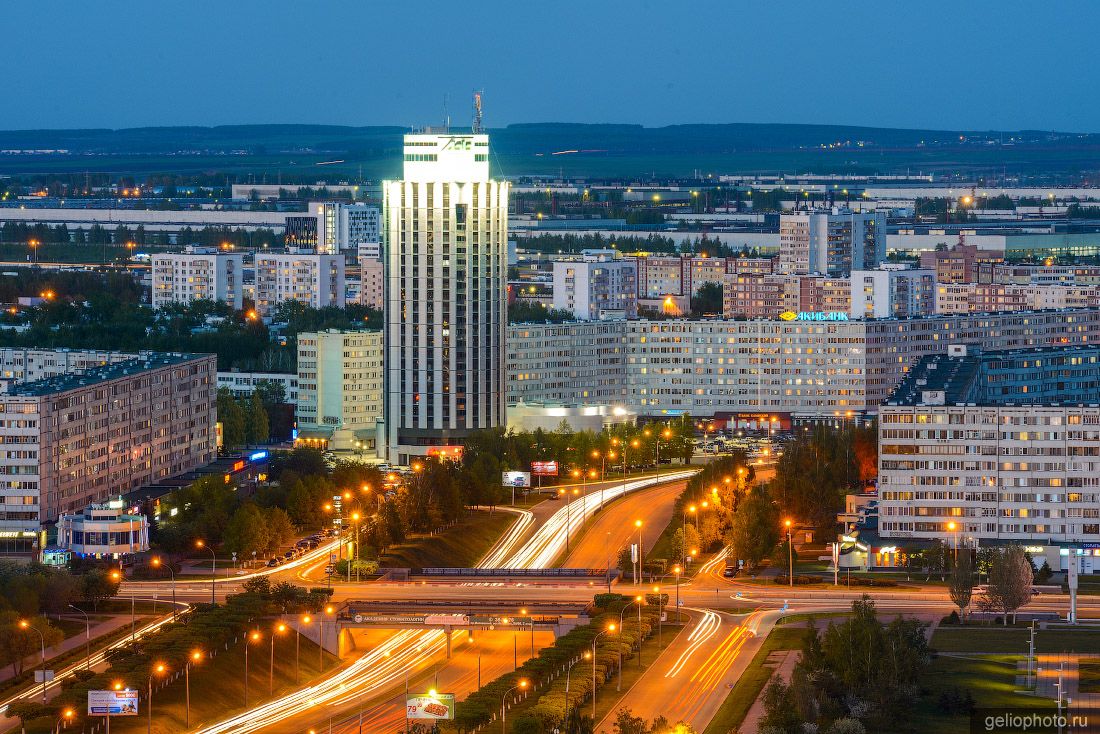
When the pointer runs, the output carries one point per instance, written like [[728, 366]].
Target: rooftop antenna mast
[[446, 115], [477, 111]]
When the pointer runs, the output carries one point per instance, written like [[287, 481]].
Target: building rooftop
[[1037, 376], [95, 375]]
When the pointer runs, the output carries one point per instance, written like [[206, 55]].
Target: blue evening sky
[[1003, 65]]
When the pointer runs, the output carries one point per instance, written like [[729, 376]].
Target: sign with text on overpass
[[814, 316]]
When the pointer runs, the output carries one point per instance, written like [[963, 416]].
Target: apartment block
[[998, 446], [71, 440], [340, 387], [313, 279], [198, 274], [804, 368], [831, 242], [596, 288]]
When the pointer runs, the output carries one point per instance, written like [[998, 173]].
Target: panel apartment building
[[339, 387], [807, 369], [70, 440], [1005, 445], [198, 274], [315, 280]]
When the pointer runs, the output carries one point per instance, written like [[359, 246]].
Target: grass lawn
[[990, 679], [992, 639], [460, 546], [1089, 676], [733, 710], [217, 686], [801, 618]]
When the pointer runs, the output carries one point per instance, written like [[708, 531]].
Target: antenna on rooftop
[[446, 115], [477, 110]]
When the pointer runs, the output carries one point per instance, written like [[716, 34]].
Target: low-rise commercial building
[[71, 440], [103, 530], [198, 274]]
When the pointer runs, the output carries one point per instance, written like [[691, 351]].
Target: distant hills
[[547, 148]]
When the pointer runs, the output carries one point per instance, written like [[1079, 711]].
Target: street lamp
[[253, 636], [636, 600], [158, 669], [569, 671], [193, 659], [683, 530], [677, 571], [610, 628], [641, 568], [87, 637], [522, 685], [790, 553], [213, 567], [954, 528], [660, 615], [28, 626], [279, 628], [157, 564], [66, 716]]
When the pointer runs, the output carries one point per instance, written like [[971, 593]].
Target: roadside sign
[[112, 703], [432, 706], [43, 676]]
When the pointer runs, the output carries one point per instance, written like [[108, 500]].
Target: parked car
[[273, 562]]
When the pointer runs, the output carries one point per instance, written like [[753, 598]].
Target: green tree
[[962, 582], [257, 427], [232, 418], [247, 531], [1010, 581], [707, 301], [98, 585], [754, 528]]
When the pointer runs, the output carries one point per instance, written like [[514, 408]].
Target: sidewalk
[[76, 642], [782, 662]]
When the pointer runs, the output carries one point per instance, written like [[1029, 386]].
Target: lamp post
[[66, 716], [279, 628], [683, 531], [28, 626], [660, 614], [569, 671], [635, 600], [677, 571], [954, 528], [306, 619], [641, 567], [87, 636], [193, 659], [522, 685], [213, 567], [610, 628], [157, 669], [157, 564], [252, 637], [790, 554], [568, 518]]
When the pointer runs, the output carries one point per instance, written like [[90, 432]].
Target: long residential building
[[198, 274], [28, 364], [70, 440], [805, 368], [995, 447], [316, 280], [340, 383]]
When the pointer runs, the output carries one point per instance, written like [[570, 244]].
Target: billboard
[[112, 703], [517, 479], [544, 468], [433, 706]]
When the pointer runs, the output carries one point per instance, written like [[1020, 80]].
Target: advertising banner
[[112, 703], [437, 707], [517, 479], [544, 468]]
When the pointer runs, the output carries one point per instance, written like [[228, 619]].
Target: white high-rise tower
[[445, 234]]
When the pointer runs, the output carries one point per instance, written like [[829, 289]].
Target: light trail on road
[[386, 664], [96, 658]]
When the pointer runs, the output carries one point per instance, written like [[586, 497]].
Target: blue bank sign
[[814, 316]]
